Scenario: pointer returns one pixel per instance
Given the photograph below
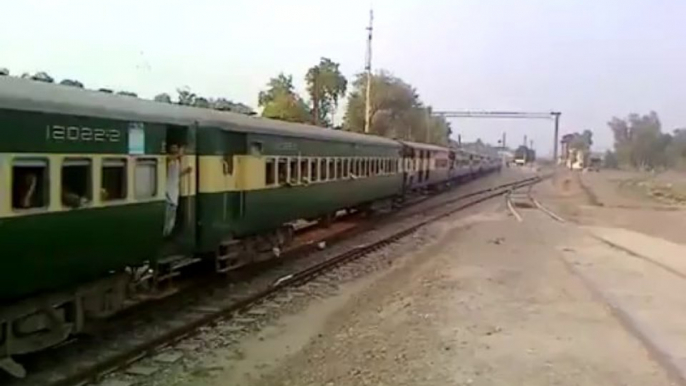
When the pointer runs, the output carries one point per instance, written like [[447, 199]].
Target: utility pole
[[428, 125], [531, 144], [556, 115], [504, 140], [368, 69], [524, 140]]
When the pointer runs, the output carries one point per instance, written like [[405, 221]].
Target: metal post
[[428, 125], [556, 115], [368, 68]]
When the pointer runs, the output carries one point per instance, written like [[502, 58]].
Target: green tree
[[639, 141], [395, 109], [184, 96], [164, 98], [224, 104], [325, 86], [72, 83], [201, 102], [280, 101]]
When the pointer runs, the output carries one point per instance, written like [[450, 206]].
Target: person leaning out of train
[[174, 174]]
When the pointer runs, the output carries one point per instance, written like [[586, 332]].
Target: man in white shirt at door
[[174, 174]]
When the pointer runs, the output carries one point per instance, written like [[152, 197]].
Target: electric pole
[[368, 69]]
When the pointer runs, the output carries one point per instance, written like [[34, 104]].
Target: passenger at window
[[28, 191], [72, 200], [174, 174]]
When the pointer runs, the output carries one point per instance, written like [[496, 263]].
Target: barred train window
[[269, 172], [113, 185], [282, 171], [30, 187], [346, 170], [339, 168], [294, 171], [332, 169], [76, 182], [303, 170], [314, 170], [322, 167], [145, 178]]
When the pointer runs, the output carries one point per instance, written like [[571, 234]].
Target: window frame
[[304, 172], [270, 163], [146, 161], [323, 171], [293, 170], [125, 188], [77, 161], [314, 169], [282, 163], [332, 169], [46, 196]]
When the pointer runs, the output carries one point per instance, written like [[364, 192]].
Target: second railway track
[[121, 349]]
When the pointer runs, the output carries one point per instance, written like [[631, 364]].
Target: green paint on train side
[[36, 132], [246, 213], [59, 250], [217, 141]]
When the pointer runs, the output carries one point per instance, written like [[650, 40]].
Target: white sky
[[589, 59]]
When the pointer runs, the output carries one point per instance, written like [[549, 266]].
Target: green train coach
[[83, 198]]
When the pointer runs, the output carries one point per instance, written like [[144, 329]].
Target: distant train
[[84, 197]]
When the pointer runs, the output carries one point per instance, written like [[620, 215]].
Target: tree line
[[396, 110], [640, 143]]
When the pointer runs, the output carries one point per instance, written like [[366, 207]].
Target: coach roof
[[30, 95]]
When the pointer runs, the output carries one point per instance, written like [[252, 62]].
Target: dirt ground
[[492, 301], [612, 198]]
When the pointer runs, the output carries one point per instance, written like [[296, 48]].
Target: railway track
[[515, 199], [112, 353]]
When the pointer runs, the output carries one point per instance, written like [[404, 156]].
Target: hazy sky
[[589, 59]]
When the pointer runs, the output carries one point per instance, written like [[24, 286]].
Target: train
[[85, 207]]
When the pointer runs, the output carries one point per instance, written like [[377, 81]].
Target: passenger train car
[[82, 197]]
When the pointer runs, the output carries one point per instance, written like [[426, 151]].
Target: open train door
[[180, 229]]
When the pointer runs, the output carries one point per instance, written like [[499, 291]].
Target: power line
[[497, 114]]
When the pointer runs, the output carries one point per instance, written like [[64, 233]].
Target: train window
[[346, 166], [339, 168], [303, 170], [353, 168], [256, 148], [314, 170], [282, 171], [332, 168], [30, 187], [293, 171], [269, 172], [145, 178], [365, 167], [113, 186], [76, 182], [322, 167]]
